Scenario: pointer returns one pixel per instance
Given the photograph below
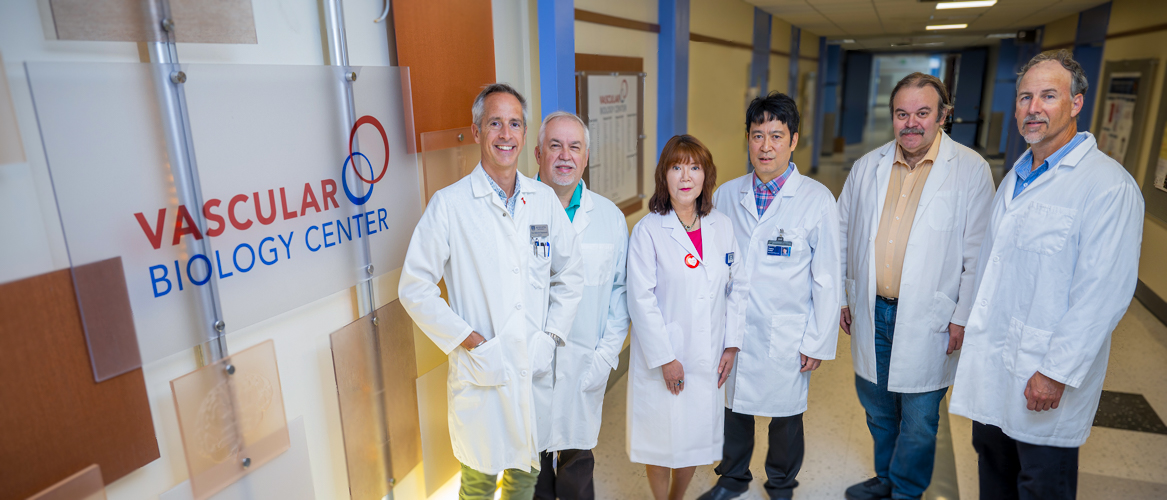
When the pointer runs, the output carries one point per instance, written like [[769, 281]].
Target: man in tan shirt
[[912, 215]]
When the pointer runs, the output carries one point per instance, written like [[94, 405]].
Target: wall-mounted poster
[[615, 118], [1118, 113], [1161, 167]]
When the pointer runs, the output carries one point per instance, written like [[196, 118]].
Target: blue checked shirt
[[1026, 174], [511, 202], [764, 193]]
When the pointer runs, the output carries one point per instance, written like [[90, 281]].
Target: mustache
[[562, 163], [913, 130], [1035, 118]]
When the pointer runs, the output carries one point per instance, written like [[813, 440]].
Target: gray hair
[[567, 116], [480, 102], [1064, 57]]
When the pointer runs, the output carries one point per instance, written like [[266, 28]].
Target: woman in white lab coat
[[687, 301]]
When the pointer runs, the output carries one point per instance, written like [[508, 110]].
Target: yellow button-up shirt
[[899, 210]]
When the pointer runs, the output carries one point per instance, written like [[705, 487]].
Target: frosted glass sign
[[288, 214]]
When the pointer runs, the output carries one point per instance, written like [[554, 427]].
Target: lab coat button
[[518, 306], [515, 270], [997, 258], [984, 302], [523, 373]]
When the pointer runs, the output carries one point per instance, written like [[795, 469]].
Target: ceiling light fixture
[[934, 27], [966, 5], [1002, 35]]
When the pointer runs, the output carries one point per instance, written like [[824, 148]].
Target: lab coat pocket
[[786, 335], [1025, 347], [485, 366], [939, 211], [942, 309], [597, 258], [1045, 228], [542, 354], [596, 376], [852, 295]]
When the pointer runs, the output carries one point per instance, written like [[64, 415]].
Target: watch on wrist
[[558, 341]]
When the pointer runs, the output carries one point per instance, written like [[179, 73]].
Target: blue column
[[820, 84], [673, 82], [556, 56], [856, 91], [1088, 45], [760, 66], [1004, 93], [795, 39]]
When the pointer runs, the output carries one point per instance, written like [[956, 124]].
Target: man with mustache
[[514, 277], [570, 400], [912, 215], [1056, 273]]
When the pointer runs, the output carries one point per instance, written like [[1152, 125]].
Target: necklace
[[688, 227]]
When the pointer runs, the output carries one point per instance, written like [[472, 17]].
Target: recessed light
[[966, 5], [946, 27], [1002, 35]]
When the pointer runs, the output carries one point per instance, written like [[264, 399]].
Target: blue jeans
[[903, 425]]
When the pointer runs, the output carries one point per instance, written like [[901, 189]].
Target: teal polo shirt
[[572, 205]]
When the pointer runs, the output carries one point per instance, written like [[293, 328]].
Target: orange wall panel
[[448, 46]]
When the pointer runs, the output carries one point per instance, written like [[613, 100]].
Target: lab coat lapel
[[582, 214], [748, 202], [882, 179], [481, 186], [670, 221], [940, 169]]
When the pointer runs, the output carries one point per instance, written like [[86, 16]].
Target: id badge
[[779, 247], [539, 231]]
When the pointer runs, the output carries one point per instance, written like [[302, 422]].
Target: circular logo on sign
[[623, 90], [691, 261], [352, 158]]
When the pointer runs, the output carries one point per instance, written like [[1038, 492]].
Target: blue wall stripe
[[760, 66], [795, 46], [673, 83], [820, 84], [556, 56]]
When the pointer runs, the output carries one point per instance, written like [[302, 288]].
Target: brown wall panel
[[56, 420], [448, 46]]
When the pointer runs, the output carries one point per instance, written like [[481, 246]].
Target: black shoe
[[871, 489], [719, 493]]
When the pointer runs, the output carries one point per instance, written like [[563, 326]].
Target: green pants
[[516, 484]]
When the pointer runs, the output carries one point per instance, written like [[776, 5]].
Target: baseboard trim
[[1152, 301]]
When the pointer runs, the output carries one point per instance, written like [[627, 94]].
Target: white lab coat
[[499, 287], [936, 284], [569, 415], [793, 304], [1056, 274], [688, 314]]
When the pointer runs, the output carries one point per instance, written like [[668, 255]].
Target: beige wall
[[596, 39], [719, 81], [1126, 15], [1061, 31]]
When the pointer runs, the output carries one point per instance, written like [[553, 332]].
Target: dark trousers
[[783, 459], [1012, 470], [571, 480]]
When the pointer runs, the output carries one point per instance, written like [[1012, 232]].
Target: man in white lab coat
[[912, 214], [569, 407], [1057, 271], [787, 231], [514, 275]]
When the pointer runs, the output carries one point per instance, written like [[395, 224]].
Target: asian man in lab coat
[[787, 231], [1056, 273], [514, 274], [913, 214], [570, 401]]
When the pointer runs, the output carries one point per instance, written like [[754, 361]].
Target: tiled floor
[[1114, 463]]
